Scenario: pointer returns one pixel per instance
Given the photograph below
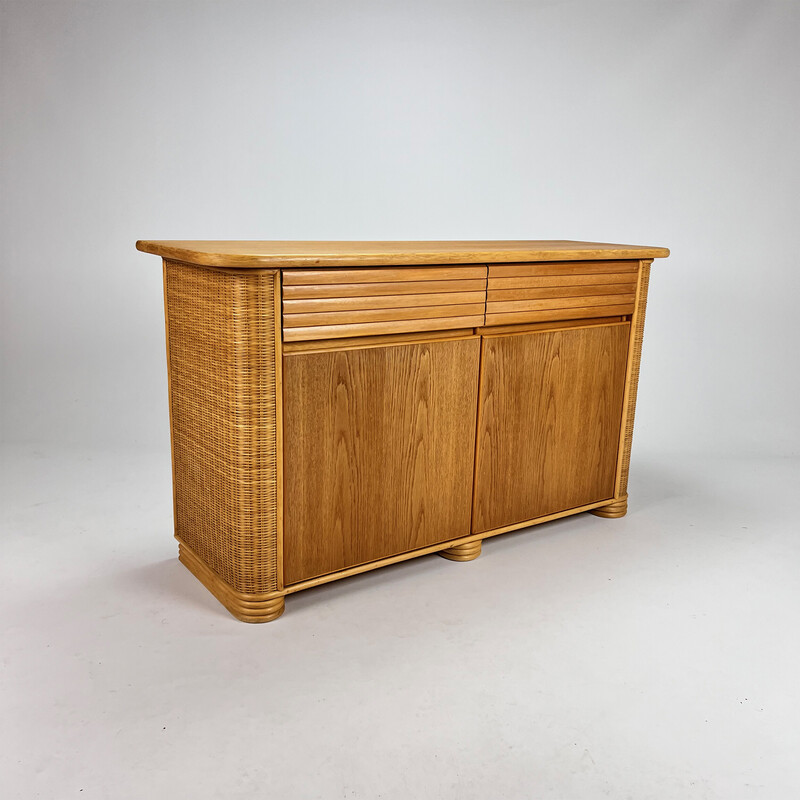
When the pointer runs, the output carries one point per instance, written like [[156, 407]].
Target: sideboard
[[340, 406]]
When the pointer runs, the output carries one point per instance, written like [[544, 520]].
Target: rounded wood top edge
[[299, 254]]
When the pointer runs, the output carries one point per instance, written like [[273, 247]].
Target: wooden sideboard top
[[279, 254]]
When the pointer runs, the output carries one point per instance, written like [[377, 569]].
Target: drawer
[[334, 303], [553, 291]]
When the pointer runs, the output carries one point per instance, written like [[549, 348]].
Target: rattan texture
[[222, 349], [636, 358]]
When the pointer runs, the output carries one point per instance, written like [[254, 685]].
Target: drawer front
[[335, 303], [554, 291]]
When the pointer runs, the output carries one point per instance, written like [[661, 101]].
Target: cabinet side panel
[[633, 378], [222, 351], [550, 419]]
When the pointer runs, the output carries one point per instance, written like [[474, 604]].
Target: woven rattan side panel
[[636, 359], [222, 348]]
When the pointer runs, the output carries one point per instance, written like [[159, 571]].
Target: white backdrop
[[663, 123]]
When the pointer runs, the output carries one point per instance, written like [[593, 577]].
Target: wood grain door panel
[[549, 422], [378, 452]]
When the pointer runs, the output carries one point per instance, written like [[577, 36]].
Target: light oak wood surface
[[549, 422], [249, 254], [379, 451]]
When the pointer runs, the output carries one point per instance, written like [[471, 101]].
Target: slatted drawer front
[[333, 303], [552, 291]]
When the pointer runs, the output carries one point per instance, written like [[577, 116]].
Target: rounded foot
[[462, 552], [243, 606], [619, 508], [261, 611]]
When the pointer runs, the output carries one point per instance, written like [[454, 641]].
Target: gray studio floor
[[655, 656]]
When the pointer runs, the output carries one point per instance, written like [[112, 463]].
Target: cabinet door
[[379, 448], [549, 422]]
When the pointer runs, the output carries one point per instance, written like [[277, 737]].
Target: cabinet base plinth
[[462, 552], [619, 508], [245, 607]]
